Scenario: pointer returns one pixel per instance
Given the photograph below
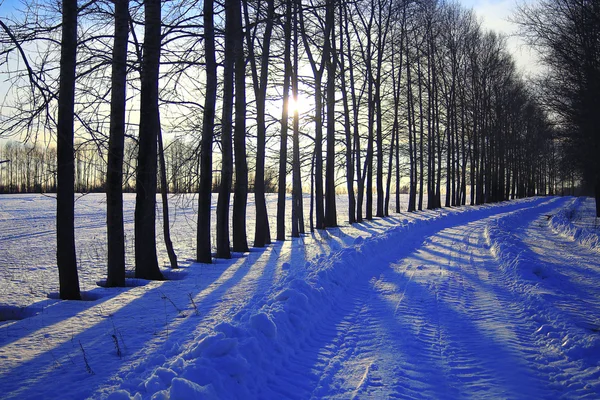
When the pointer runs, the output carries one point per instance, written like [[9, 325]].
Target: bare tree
[[283, 161], [344, 48], [116, 144], [329, 56], [203, 242], [65, 193], [297, 201], [318, 68], [262, 234], [164, 188], [566, 34], [146, 261], [240, 196], [223, 248]]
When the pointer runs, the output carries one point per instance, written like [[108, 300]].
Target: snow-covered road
[[438, 323], [478, 302]]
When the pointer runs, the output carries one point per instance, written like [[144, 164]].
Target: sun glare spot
[[299, 105]]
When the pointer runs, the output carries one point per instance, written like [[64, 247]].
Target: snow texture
[[494, 301]]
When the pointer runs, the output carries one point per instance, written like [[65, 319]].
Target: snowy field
[[495, 301], [28, 270]]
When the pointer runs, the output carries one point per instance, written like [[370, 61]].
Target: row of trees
[[566, 34], [27, 169], [31, 168], [392, 88]]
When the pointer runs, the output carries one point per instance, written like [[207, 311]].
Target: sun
[[297, 105]]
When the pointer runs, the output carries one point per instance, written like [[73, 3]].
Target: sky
[[7, 6], [495, 15]]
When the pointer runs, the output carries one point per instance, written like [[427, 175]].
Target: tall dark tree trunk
[[312, 193], [146, 261], [430, 128], [370, 122], [463, 190], [379, 141], [65, 192], [390, 171], [318, 118], [411, 136], [368, 176], [240, 195], [330, 207], [116, 144], [369, 155], [283, 162], [318, 169], [297, 201], [360, 182], [382, 31], [438, 138], [164, 189], [347, 124], [203, 239], [262, 233], [396, 86], [223, 245], [421, 134]]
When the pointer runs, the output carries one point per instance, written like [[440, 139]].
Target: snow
[[494, 301]]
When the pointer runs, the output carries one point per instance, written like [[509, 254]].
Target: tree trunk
[[240, 195], [297, 201], [203, 239], [223, 245], [330, 207], [411, 134], [281, 187], [318, 118], [116, 144], [164, 189], [382, 30], [347, 125], [146, 261], [397, 84], [421, 134], [355, 113], [390, 170], [318, 155], [65, 194], [370, 127], [438, 136], [262, 233]]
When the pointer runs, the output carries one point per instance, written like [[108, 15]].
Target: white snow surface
[[494, 301]]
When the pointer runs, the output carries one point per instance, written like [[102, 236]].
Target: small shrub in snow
[[85, 360]]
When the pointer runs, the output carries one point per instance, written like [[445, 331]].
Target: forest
[[360, 98]]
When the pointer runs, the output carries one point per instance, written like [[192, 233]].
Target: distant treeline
[[32, 168]]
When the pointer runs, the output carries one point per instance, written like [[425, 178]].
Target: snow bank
[[520, 267], [544, 293], [563, 223]]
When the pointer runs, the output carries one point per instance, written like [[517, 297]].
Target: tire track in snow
[[439, 324], [489, 352], [560, 283]]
